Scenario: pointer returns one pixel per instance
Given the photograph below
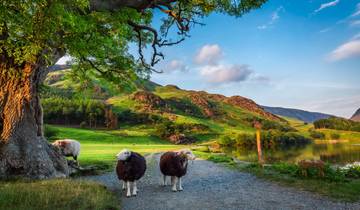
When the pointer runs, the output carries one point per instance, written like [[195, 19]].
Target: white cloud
[[176, 65], [327, 5], [275, 16], [223, 73], [209, 54], [346, 50], [357, 12], [355, 23]]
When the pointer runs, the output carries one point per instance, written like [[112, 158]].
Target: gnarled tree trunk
[[23, 149]]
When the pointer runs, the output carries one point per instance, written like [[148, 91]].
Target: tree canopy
[[97, 33]]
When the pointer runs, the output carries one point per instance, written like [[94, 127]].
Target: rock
[[150, 100], [181, 139], [251, 106]]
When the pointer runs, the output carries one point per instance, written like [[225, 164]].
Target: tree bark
[[23, 149]]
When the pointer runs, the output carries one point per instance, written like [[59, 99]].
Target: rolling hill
[[302, 115], [196, 113]]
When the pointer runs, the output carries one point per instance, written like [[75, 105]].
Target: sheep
[[174, 164], [131, 166], [68, 147]]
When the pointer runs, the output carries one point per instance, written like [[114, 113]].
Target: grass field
[[55, 194], [99, 147]]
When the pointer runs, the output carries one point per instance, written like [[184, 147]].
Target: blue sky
[[291, 53], [300, 53]]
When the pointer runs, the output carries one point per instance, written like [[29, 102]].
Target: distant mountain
[[302, 115], [356, 116]]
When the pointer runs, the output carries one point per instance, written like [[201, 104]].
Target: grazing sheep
[[68, 147], [131, 167], [174, 164]]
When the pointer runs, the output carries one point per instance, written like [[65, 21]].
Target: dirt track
[[210, 186]]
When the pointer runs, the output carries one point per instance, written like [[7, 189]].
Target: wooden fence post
[[257, 125]]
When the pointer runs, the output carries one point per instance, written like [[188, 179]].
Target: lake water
[[337, 152]]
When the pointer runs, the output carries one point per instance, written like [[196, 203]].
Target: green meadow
[[99, 147]]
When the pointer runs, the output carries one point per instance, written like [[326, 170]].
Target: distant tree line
[[82, 112], [269, 139], [337, 123]]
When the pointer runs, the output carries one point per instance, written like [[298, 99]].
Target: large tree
[[35, 34]]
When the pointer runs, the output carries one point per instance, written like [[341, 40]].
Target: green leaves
[[98, 41]]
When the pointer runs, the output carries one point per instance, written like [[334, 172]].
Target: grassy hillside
[[152, 105]]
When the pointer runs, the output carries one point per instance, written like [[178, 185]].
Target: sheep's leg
[[128, 194], [134, 189], [164, 180], [174, 182], [180, 186], [75, 158], [123, 185]]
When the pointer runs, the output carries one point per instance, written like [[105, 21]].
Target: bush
[[352, 171], [168, 128], [133, 118], [82, 124], [330, 174], [286, 168], [227, 141], [316, 134], [337, 123], [269, 139], [335, 136]]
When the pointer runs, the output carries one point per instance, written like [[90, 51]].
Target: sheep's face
[[123, 155], [188, 153]]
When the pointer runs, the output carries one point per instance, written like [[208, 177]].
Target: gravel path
[[210, 186]]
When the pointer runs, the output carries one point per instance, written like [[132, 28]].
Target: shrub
[[227, 141], [269, 139], [335, 136], [337, 123], [168, 128], [82, 124], [286, 168], [316, 134], [133, 118], [352, 171]]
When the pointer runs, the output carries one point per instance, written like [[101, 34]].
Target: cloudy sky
[[300, 53]]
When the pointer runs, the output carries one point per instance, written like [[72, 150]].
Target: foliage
[[335, 136], [316, 134], [129, 117], [59, 110], [220, 159], [168, 128], [337, 124], [269, 139], [50, 132], [98, 37], [352, 170]]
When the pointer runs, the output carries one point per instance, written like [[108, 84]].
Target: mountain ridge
[[303, 115]]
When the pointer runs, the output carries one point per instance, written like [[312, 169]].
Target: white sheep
[[68, 147]]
